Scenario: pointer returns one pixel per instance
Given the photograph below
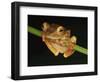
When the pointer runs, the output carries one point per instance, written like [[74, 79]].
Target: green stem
[[38, 33], [34, 31], [80, 49]]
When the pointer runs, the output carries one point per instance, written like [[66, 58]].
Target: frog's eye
[[60, 29]]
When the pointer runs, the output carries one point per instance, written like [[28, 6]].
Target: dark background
[[40, 55]]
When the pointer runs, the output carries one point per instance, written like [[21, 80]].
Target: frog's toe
[[73, 39], [56, 53], [65, 55], [68, 53]]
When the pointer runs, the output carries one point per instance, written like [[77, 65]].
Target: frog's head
[[54, 31]]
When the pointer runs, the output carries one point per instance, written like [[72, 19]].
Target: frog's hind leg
[[70, 49]]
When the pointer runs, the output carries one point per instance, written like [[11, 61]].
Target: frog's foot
[[68, 53], [56, 53], [73, 39], [43, 37]]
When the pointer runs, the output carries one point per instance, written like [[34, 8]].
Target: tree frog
[[58, 39]]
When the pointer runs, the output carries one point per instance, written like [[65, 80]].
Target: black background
[[40, 55]]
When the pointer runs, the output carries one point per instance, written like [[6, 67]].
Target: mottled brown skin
[[58, 39]]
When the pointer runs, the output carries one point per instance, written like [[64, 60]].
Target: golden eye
[[60, 29]]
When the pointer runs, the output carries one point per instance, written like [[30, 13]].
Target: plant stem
[[34, 31], [80, 49], [38, 33]]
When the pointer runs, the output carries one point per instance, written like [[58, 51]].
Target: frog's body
[[58, 39]]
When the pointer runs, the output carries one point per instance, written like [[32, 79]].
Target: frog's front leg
[[70, 48], [43, 37], [73, 39]]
